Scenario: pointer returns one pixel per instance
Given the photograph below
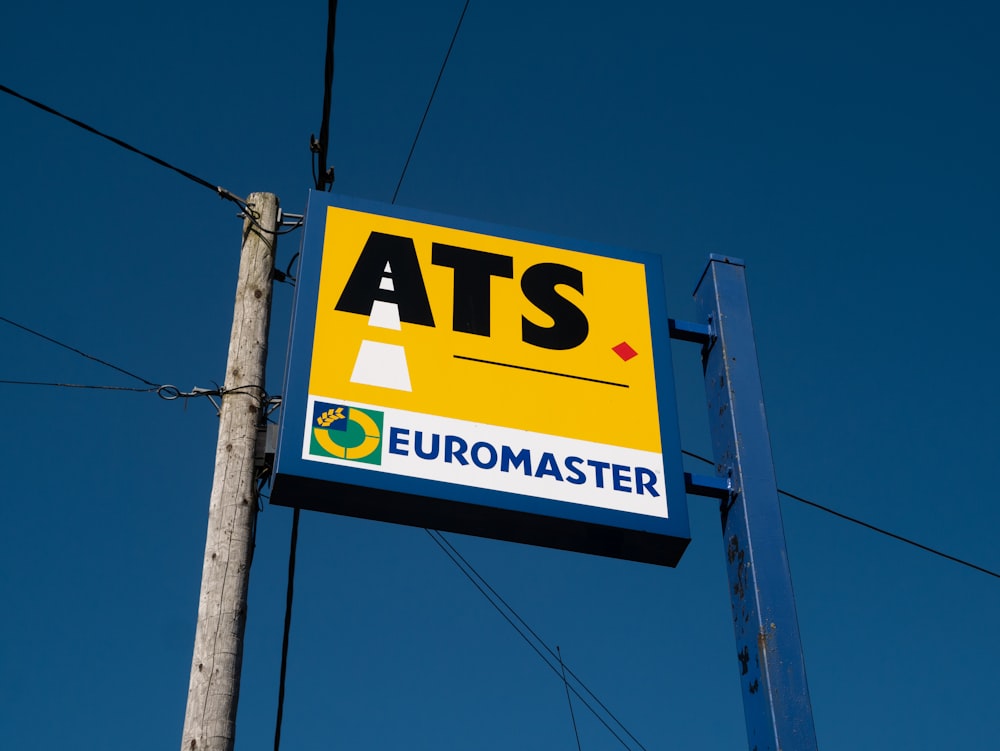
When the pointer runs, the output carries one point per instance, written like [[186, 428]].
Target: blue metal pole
[[776, 702]]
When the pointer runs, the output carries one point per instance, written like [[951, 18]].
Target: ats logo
[[417, 318], [346, 432]]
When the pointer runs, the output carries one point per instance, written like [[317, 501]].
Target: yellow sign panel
[[483, 329]]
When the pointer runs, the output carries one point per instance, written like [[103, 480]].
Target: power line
[[321, 145], [480, 583], [222, 192], [289, 594], [531, 631], [866, 525], [569, 699], [893, 535], [77, 386], [429, 101], [322, 179], [165, 391], [80, 352]]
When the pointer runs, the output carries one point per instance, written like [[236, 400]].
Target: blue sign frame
[[354, 490]]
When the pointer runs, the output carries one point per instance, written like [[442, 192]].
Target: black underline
[[536, 370]]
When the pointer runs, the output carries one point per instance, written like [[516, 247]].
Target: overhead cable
[[289, 596], [569, 699], [222, 192], [77, 386], [324, 176], [872, 527], [165, 391], [79, 352], [480, 583], [427, 109]]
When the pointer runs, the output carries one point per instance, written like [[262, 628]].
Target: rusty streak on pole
[[210, 719]]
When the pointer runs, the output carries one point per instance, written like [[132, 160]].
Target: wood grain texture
[[213, 693]]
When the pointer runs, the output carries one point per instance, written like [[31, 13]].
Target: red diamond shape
[[624, 351]]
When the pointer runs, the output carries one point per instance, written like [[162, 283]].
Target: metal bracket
[[685, 331], [209, 393], [708, 486], [273, 404]]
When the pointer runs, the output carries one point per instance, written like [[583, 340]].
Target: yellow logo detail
[[330, 416]]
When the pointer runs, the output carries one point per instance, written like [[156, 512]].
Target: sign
[[477, 379]]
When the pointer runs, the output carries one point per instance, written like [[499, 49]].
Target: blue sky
[[848, 153]]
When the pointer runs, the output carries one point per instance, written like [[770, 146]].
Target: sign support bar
[[776, 702]]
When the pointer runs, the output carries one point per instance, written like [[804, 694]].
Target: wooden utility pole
[[210, 719]]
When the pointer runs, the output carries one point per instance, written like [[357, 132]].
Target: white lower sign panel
[[446, 450]]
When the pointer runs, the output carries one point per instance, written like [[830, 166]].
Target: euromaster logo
[[341, 431]]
